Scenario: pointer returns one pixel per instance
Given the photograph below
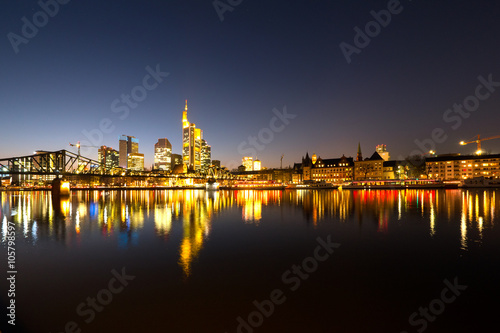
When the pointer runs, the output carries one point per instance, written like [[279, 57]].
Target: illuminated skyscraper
[[135, 161], [206, 154], [382, 151], [191, 143], [128, 145], [257, 165], [108, 157], [163, 154], [247, 162]]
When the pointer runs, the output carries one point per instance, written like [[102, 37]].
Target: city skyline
[[408, 86]]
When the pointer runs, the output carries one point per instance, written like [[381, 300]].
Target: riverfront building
[[369, 168], [333, 170], [459, 167]]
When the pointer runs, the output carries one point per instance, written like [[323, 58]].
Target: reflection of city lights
[[4, 229], [77, 222], [432, 219], [163, 220]]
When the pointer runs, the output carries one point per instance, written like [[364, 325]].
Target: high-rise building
[[108, 157], [163, 154], [257, 165], [128, 145], [247, 162], [382, 151], [135, 161], [206, 154], [191, 143], [175, 160]]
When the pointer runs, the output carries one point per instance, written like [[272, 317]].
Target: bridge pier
[[60, 188]]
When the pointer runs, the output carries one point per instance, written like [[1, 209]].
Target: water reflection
[[126, 216]]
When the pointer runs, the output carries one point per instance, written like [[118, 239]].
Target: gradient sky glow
[[264, 55]]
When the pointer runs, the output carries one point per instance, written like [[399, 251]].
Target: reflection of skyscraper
[[191, 143], [128, 145], [163, 154]]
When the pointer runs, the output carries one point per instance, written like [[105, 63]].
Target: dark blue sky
[[264, 55]]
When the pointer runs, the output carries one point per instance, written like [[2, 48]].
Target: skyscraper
[[382, 151], [191, 143], [206, 154], [108, 157], [163, 154], [135, 162], [128, 145], [247, 162]]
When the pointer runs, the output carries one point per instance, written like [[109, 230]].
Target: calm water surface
[[196, 261]]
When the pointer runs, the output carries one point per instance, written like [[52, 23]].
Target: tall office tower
[[382, 151], [163, 154], [108, 157], [176, 160], [128, 145], [206, 154], [135, 161], [191, 143], [257, 165], [247, 162]]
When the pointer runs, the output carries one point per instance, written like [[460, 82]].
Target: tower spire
[[360, 156], [186, 105]]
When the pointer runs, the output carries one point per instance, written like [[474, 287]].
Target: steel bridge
[[61, 162], [65, 163]]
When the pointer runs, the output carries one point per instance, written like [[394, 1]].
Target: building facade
[[247, 162], [459, 167], [176, 160], [128, 145], [108, 157], [191, 143], [135, 162], [163, 155], [206, 154], [333, 170], [316, 169], [371, 168], [382, 151]]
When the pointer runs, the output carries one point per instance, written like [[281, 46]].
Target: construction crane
[[478, 142], [78, 145]]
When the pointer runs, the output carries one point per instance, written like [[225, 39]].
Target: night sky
[[265, 55]]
